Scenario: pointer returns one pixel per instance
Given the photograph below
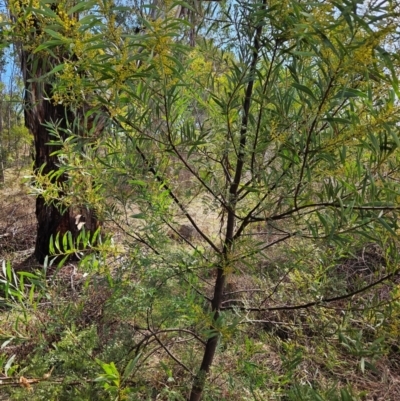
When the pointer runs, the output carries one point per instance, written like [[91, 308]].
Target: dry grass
[[17, 218], [17, 232]]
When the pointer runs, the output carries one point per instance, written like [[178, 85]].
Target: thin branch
[[275, 289], [321, 205], [321, 302], [260, 111], [246, 290], [135, 236], [183, 331], [182, 159], [309, 136], [198, 291], [171, 355], [172, 195], [176, 200]]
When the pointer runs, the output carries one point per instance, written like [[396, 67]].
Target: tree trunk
[[39, 108], [2, 152], [211, 345]]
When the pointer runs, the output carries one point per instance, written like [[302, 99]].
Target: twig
[[320, 302]]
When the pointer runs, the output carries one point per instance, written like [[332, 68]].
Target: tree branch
[[321, 302]]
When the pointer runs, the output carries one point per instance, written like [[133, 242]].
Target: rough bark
[[40, 109]]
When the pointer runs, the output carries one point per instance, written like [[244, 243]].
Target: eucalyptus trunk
[[40, 109]]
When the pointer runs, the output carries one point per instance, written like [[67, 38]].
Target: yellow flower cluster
[[69, 88], [123, 68], [29, 25], [159, 44], [67, 21], [199, 65], [26, 22]]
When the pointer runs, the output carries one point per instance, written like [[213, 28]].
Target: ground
[[316, 345]]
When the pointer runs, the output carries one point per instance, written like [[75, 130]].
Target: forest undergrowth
[[71, 332]]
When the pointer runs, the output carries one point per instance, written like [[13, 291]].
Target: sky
[[11, 67]]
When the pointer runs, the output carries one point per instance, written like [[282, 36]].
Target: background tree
[[14, 139], [41, 106], [31, 28]]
